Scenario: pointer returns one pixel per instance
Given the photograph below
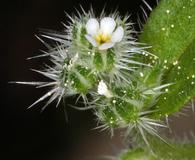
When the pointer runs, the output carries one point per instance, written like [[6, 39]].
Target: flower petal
[[92, 26], [102, 88], [118, 34], [106, 46], [91, 40], [107, 25]]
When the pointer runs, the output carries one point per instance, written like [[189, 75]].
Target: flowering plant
[[132, 84]]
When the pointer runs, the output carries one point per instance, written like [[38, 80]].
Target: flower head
[[105, 34], [76, 66]]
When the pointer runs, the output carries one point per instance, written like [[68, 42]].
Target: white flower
[[103, 35], [103, 89]]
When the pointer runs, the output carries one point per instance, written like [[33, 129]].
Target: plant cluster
[[130, 83]]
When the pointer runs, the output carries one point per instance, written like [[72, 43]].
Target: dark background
[[29, 134]]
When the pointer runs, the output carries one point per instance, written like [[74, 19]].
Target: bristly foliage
[[129, 107], [129, 87], [78, 66]]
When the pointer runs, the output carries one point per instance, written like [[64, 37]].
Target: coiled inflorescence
[[89, 51], [100, 57]]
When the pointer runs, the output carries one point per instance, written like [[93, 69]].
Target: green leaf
[[183, 89], [136, 154], [170, 28], [170, 31], [161, 152]]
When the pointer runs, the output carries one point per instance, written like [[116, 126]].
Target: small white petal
[[92, 26], [106, 46], [102, 88], [118, 34], [91, 40], [107, 25]]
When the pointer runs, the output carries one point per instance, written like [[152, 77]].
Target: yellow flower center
[[102, 38]]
